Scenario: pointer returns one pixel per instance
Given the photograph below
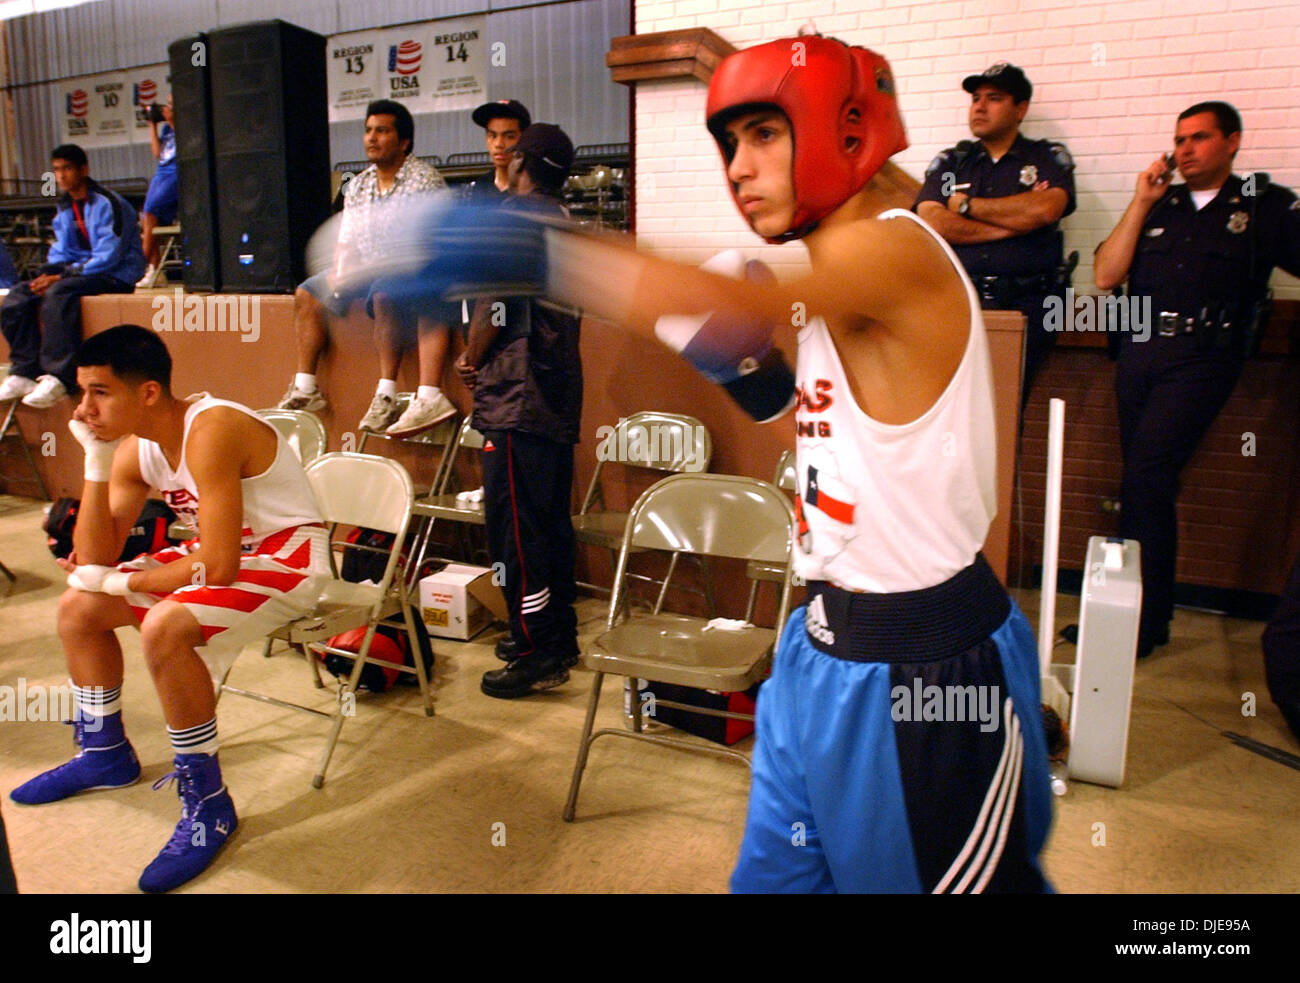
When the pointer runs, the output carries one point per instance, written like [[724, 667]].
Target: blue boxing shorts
[[900, 747], [161, 199]]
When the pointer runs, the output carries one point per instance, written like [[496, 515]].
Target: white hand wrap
[[99, 579], [99, 453]]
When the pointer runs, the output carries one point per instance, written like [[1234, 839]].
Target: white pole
[[1051, 533]]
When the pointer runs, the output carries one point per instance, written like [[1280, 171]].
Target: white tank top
[[278, 498], [884, 507]]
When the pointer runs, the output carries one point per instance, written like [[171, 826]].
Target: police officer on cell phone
[[998, 202], [1202, 251]]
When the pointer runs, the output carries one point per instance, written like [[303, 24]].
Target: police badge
[[1029, 175], [1237, 222]]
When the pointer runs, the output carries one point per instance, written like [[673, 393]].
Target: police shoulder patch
[[1061, 155], [938, 161]]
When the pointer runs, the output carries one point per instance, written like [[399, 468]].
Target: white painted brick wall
[[1110, 77]]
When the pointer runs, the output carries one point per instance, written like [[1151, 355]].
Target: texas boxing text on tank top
[[883, 507], [278, 498]]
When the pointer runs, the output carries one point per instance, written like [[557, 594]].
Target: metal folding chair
[[303, 431], [713, 515], [442, 504], [10, 430], [785, 479], [376, 493], [665, 442]]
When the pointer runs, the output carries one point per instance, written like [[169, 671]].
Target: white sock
[[386, 387], [200, 739], [428, 392], [305, 381]]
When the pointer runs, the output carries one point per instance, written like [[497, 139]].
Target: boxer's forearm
[[616, 283], [94, 538]]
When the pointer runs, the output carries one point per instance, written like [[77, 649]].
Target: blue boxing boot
[[104, 759], [207, 821]]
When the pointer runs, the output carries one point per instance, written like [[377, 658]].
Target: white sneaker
[[48, 391], [15, 386], [423, 414], [382, 412], [302, 399], [146, 281]]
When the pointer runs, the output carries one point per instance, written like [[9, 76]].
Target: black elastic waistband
[[909, 626]]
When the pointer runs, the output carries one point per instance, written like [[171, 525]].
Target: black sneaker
[[524, 676]]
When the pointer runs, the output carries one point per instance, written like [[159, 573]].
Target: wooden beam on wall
[[691, 53]]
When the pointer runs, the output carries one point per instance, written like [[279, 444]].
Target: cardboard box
[[460, 600]]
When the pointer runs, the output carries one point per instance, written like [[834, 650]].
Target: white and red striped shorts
[[279, 580]]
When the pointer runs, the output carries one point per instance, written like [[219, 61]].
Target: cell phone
[[1169, 163]]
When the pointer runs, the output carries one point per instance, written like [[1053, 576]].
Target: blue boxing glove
[[733, 350], [440, 248]]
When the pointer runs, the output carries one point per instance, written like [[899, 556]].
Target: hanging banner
[[437, 66], [146, 86], [458, 63], [95, 110], [352, 73]]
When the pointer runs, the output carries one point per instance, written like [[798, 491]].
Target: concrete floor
[[470, 800]]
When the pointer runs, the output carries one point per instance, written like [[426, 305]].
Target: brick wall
[[1109, 80]]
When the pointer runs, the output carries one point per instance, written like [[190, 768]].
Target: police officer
[[998, 201], [1202, 252]]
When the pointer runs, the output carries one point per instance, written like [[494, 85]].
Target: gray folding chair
[[665, 442], [713, 515], [785, 479], [10, 430], [442, 504], [353, 490], [303, 431]]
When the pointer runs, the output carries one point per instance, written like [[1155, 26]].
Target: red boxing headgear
[[842, 109]]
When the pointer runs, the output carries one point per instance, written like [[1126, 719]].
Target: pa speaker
[[196, 209], [270, 131]]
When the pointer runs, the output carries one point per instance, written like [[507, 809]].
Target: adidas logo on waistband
[[815, 623]]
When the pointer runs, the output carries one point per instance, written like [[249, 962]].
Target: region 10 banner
[[108, 109]]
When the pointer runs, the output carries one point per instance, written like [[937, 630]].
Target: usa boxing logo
[[78, 103], [403, 63], [146, 92], [404, 58]]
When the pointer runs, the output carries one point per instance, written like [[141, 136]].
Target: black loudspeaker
[[270, 127], [196, 211]]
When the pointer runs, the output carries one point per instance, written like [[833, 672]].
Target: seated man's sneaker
[[302, 399], [422, 414], [382, 414], [207, 821], [524, 676], [146, 281], [93, 768], [48, 391], [15, 386]]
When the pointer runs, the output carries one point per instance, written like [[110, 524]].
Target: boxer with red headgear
[[899, 746]]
